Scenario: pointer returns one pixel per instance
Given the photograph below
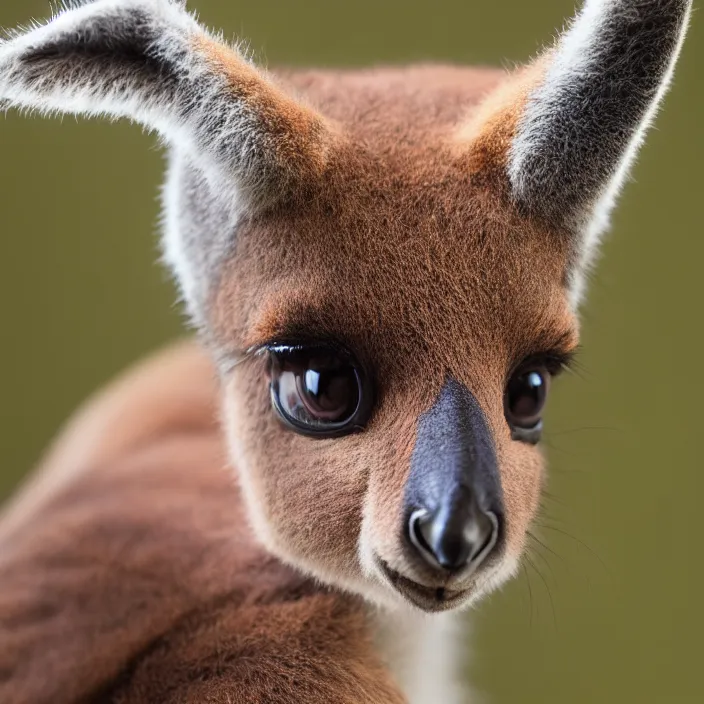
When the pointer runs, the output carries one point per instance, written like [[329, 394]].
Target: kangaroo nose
[[458, 533]]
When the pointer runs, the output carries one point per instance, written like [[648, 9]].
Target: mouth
[[429, 599]]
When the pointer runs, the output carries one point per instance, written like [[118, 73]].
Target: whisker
[[544, 546], [580, 542], [547, 588], [530, 595], [553, 497], [536, 553]]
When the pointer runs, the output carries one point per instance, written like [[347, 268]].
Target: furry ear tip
[[573, 140]]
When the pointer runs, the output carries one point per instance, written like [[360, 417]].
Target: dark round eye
[[524, 401], [318, 391]]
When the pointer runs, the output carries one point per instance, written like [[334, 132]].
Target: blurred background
[[609, 607]]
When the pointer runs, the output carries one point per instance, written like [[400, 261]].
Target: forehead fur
[[408, 236], [396, 104]]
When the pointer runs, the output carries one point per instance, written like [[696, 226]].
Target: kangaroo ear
[[151, 62], [585, 117]]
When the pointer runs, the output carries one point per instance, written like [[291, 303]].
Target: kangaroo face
[[386, 266], [408, 345]]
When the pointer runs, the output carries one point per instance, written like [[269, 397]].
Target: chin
[[453, 595]]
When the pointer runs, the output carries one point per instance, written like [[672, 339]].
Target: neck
[[424, 652]]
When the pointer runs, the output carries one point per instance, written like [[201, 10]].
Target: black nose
[[457, 534], [453, 515]]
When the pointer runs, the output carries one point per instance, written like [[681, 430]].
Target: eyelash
[[554, 361]]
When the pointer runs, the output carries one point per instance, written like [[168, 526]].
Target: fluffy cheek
[[522, 473], [304, 496], [382, 527]]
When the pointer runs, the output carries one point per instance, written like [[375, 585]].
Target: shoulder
[[315, 648]]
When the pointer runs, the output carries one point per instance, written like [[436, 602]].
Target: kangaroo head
[[387, 270]]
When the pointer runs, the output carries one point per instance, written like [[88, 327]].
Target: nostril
[[453, 537], [420, 531], [481, 534]]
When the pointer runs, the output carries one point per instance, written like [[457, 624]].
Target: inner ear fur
[[150, 61], [564, 131], [582, 123]]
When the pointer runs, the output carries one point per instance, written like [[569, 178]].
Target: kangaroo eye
[[525, 398], [319, 391]]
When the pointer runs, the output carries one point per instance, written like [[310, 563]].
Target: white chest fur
[[425, 654]]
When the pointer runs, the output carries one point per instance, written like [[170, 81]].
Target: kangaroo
[[384, 268]]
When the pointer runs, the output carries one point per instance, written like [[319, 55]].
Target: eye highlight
[[319, 390], [524, 401]]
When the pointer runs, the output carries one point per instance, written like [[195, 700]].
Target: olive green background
[[611, 610]]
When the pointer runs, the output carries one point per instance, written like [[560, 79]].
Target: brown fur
[[137, 580], [297, 136], [410, 252], [379, 210], [135, 540]]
